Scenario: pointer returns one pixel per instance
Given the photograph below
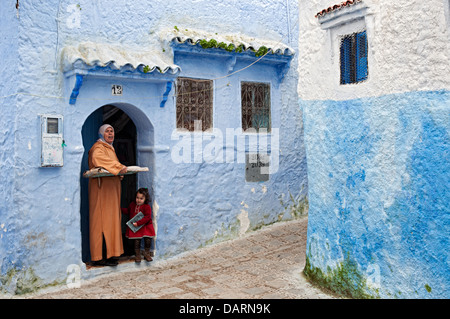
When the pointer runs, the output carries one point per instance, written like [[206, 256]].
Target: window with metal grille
[[194, 104], [354, 67], [255, 102]]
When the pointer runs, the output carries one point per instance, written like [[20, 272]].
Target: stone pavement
[[265, 264]]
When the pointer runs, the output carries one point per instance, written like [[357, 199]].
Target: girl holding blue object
[[146, 231]]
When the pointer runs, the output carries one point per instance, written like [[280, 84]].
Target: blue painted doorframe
[[89, 133], [90, 136]]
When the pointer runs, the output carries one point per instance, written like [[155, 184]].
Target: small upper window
[[52, 125], [353, 58], [194, 104], [346, 27], [255, 103]]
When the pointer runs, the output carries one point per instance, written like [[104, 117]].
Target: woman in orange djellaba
[[104, 201]]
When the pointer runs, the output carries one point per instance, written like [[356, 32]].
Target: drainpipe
[[288, 21]]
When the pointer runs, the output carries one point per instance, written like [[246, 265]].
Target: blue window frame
[[354, 67]]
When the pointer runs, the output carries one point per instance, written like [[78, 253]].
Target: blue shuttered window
[[361, 54], [353, 56], [346, 46]]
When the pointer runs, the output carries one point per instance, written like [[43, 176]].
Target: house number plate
[[116, 89]]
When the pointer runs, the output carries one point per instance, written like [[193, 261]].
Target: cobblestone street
[[266, 264]]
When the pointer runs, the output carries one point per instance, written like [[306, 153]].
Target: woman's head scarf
[[102, 130]]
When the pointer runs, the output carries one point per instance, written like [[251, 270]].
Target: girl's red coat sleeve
[[147, 211], [147, 230]]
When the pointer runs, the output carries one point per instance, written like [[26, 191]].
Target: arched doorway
[[125, 144]]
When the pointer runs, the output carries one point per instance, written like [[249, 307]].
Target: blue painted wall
[[8, 85], [379, 220], [199, 203]]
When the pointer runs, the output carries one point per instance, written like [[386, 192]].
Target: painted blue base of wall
[[378, 174]]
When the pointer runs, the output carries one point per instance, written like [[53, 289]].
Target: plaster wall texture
[[7, 131], [378, 154], [199, 203], [407, 49]]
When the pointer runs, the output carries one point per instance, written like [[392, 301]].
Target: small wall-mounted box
[[257, 167], [52, 142]]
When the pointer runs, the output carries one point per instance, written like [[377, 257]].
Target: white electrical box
[[52, 141]]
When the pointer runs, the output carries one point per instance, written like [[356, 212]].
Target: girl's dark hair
[[144, 191]]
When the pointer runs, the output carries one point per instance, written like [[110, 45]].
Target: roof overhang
[[230, 48], [90, 57], [342, 13], [244, 42], [108, 61]]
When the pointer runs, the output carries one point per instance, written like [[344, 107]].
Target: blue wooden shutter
[[361, 56], [346, 46]]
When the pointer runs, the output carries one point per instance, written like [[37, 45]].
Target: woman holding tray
[[104, 201]]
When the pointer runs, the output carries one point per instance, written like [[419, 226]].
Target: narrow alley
[[265, 264]]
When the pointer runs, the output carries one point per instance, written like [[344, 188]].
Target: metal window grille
[[52, 125], [255, 102], [194, 104], [354, 68]]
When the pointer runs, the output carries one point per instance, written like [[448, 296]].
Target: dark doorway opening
[[125, 146]]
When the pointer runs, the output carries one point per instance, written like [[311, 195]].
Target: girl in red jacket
[[147, 232]]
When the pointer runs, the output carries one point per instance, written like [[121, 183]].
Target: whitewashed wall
[[408, 50]]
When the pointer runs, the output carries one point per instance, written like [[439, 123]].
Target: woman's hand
[[123, 170]]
